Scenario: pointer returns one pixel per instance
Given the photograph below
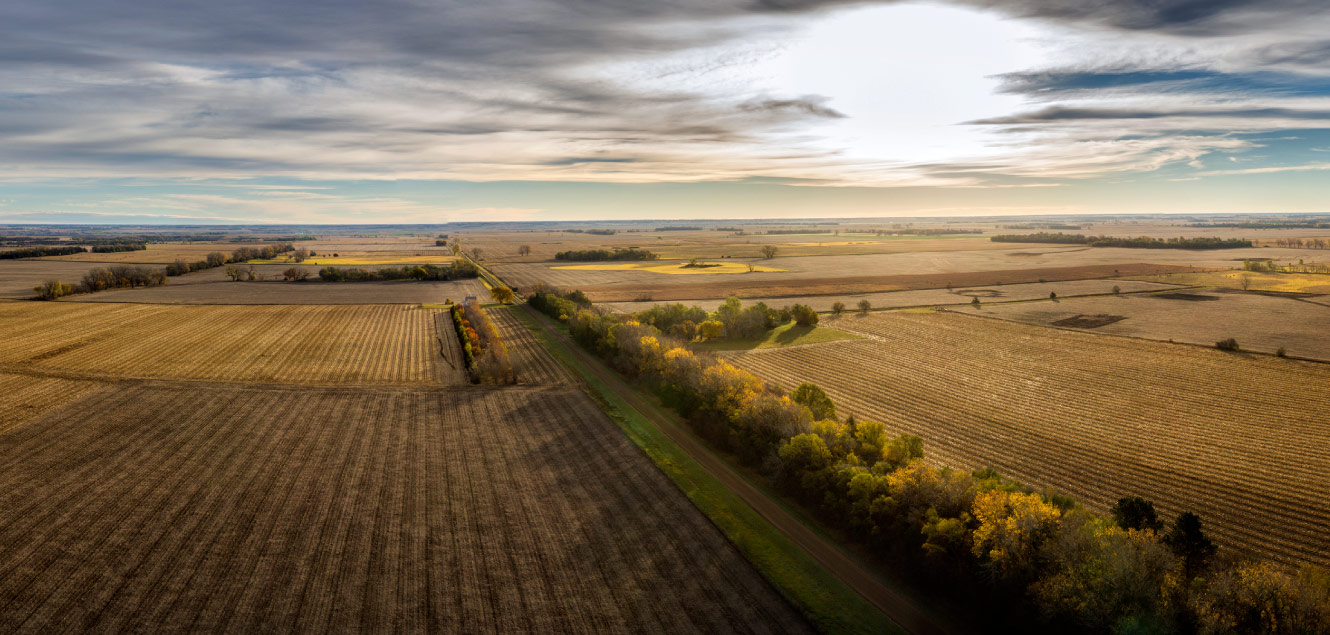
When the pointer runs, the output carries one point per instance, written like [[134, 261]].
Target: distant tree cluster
[[456, 271], [1300, 243], [217, 259], [596, 232], [487, 358], [116, 247], [785, 232], [976, 535], [39, 252], [730, 320], [1041, 226], [1315, 223], [679, 228], [594, 255], [1140, 242]]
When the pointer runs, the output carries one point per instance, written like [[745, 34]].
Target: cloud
[[1060, 113]]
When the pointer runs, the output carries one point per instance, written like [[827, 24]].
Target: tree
[[524, 250], [816, 400], [710, 330], [294, 274], [769, 251], [975, 301], [1190, 543], [300, 255], [234, 273], [837, 307], [476, 252], [1052, 295], [1135, 512], [865, 305], [502, 295], [1245, 280], [216, 259], [52, 289], [804, 315]]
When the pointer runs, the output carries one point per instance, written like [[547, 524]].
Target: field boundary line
[[676, 451]]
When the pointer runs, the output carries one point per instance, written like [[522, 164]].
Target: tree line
[[487, 358], [1139, 242], [617, 253], [117, 247], [458, 270], [39, 252], [1018, 555], [731, 319], [131, 276]]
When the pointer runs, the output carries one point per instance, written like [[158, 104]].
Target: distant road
[[900, 609]]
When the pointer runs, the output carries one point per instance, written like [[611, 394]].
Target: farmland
[[224, 508], [1239, 440], [232, 468], [277, 292], [1259, 321], [370, 344]]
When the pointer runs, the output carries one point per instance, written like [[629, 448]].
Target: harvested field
[[210, 508], [873, 273], [534, 364], [369, 344], [1239, 439], [752, 287], [23, 397], [1259, 321], [18, 277], [308, 292], [932, 297]]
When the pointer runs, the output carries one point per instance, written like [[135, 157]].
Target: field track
[[1239, 439], [363, 344], [202, 507]]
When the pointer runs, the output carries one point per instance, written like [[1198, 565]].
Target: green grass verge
[[824, 599], [783, 335]]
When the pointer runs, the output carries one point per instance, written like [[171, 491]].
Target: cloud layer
[[622, 91]]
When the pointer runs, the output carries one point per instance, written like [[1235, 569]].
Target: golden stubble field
[[1239, 440], [277, 484]]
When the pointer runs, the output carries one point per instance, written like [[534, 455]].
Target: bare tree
[[769, 251]]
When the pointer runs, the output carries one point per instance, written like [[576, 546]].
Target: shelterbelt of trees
[[122, 276], [595, 255], [1018, 556], [487, 358], [1139, 242], [456, 271]]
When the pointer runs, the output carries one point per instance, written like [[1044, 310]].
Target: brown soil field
[[872, 273], [1260, 322], [209, 508], [18, 277], [772, 287], [368, 344], [1238, 439], [23, 397], [933, 297], [309, 292]]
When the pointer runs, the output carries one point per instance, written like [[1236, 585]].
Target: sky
[[412, 111]]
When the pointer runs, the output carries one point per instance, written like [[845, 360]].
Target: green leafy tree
[[1135, 512], [816, 400]]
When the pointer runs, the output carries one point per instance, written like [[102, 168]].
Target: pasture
[[1239, 439]]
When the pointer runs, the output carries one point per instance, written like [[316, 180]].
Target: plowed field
[[1239, 439], [155, 507]]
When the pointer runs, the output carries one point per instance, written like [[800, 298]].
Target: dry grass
[[228, 509], [187, 291], [1239, 439], [370, 344]]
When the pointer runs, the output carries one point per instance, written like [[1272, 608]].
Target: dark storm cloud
[[1187, 17], [809, 105]]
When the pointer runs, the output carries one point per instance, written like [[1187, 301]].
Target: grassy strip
[[783, 335], [824, 599]]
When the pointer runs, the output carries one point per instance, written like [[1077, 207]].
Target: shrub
[[865, 306], [804, 315], [837, 307], [1229, 344]]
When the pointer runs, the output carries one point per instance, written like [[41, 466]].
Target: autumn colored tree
[[502, 295], [816, 400]]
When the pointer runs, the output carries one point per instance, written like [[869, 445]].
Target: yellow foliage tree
[[1012, 525]]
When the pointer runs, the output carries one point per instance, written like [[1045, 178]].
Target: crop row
[[370, 344], [534, 364], [1240, 441], [24, 397], [268, 509]]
